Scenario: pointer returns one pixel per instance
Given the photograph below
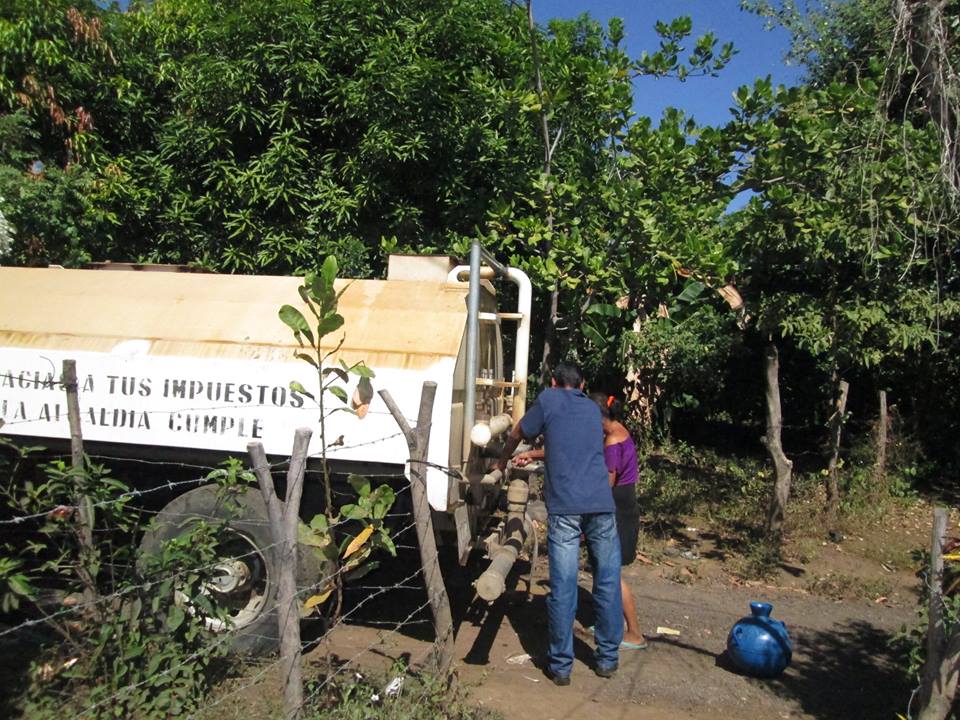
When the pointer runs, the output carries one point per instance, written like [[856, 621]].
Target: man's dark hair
[[568, 375]]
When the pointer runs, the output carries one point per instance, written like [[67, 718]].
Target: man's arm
[[533, 421], [516, 435], [528, 456]]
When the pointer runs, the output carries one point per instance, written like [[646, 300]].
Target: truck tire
[[249, 569]]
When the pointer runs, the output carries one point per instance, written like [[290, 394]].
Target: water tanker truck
[[188, 368]]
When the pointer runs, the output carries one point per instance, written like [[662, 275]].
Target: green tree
[[297, 129], [350, 557], [567, 231], [834, 257], [54, 66]]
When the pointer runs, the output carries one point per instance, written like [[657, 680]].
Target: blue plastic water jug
[[759, 645]]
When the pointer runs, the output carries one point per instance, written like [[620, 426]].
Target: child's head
[[611, 409]]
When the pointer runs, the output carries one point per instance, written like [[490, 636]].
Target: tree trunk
[[942, 665], [640, 386], [836, 434], [883, 423], [924, 27], [772, 441], [549, 333], [941, 701], [550, 329]]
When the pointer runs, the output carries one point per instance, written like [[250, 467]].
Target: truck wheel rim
[[238, 584]]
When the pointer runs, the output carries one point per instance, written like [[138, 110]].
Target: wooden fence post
[[418, 442], [940, 669], [284, 519], [880, 466], [833, 465], [85, 512]]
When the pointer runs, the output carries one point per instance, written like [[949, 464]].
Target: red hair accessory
[[610, 399]]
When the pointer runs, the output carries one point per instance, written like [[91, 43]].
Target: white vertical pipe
[[522, 351], [473, 340]]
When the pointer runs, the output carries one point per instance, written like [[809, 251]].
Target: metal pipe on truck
[[483, 432], [473, 338], [522, 316], [493, 582]]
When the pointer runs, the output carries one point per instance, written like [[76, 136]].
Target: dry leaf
[[315, 600], [358, 541]]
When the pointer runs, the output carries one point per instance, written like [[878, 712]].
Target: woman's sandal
[[625, 644]]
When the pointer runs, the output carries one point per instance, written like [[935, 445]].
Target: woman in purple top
[[621, 456]]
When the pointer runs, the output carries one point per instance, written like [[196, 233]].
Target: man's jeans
[[563, 542]]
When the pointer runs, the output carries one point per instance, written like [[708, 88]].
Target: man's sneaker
[[559, 680], [606, 672]]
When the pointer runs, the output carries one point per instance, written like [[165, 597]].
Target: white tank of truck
[[188, 367]]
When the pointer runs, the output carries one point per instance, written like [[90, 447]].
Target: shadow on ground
[[848, 673], [523, 612], [391, 598]]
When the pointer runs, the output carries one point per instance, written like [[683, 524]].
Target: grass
[[803, 550], [894, 554], [760, 561], [678, 480], [846, 587], [356, 696], [729, 495], [347, 692]]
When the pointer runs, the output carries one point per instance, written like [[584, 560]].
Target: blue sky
[[708, 99]]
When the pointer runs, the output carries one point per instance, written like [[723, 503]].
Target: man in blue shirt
[[579, 500]]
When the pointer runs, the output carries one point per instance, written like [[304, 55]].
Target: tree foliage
[[831, 243], [253, 137], [850, 243]]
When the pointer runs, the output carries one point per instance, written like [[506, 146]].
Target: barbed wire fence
[[282, 520]]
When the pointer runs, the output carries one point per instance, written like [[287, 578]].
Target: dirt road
[[843, 666]]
